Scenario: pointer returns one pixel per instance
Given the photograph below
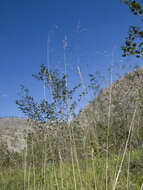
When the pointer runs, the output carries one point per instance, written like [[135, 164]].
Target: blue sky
[[24, 29]]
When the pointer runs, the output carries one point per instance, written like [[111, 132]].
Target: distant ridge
[[13, 122]]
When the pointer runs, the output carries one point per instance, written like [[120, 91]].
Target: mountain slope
[[114, 111], [12, 133], [120, 98]]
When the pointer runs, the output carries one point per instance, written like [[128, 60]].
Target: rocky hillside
[[12, 132], [116, 102], [13, 123], [114, 111]]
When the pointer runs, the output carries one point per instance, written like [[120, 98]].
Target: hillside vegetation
[[102, 148]]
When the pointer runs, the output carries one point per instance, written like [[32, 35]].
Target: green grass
[[81, 175], [65, 160]]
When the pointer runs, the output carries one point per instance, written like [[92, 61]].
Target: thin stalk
[[28, 178], [72, 154], [125, 150], [45, 159], [56, 180], [128, 170], [61, 170], [109, 120], [77, 162], [34, 176], [25, 155], [84, 90], [65, 45], [93, 166]]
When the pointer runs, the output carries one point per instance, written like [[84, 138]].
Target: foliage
[[134, 41], [58, 108]]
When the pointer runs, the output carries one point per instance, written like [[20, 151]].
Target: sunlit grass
[[89, 178]]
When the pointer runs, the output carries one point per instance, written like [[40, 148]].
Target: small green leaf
[[132, 52], [128, 43], [141, 34], [137, 6], [141, 12], [137, 52], [134, 44], [140, 44]]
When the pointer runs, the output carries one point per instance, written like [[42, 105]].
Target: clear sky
[[94, 28]]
